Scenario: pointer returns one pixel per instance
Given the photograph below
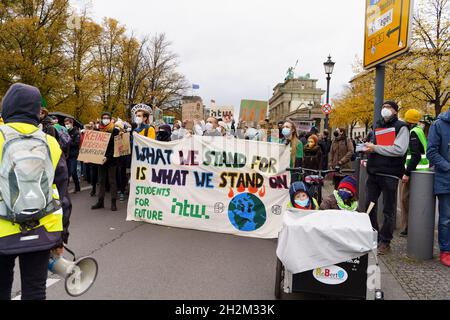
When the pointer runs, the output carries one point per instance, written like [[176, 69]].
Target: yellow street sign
[[387, 30]]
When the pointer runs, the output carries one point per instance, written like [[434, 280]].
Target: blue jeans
[[444, 222], [72, 164]]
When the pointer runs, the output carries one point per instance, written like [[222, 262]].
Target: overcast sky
[[238, 49]]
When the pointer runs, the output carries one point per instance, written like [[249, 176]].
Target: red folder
[[385, 137]]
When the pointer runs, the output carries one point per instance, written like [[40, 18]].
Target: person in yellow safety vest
[[416, 161], [144, 126], [31, 243]]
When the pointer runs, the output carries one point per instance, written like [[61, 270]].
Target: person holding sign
[[385, 168], [109, 167]]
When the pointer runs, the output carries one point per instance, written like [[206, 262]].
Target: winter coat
[[75, 143], [341, 153], [312, 158], [438, 153]]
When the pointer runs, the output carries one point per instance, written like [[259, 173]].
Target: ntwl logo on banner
[[212, 184]]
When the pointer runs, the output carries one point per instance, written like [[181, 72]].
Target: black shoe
[[404, 233], [99, 205], [113, 205]]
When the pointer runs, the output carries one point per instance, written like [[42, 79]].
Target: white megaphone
[[79, 275]]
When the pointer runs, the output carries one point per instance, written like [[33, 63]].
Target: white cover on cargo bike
[[316, 239]]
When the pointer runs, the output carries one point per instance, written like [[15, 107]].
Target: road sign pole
[[379, 92]]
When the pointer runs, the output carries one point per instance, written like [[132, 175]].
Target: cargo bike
[[347, 279]]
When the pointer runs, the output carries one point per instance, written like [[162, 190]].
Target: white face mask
[[139, 120], [209, 127], [69, 127], [106, 122], [386, 113]]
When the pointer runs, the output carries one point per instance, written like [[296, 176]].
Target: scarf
[[341, 204], [109, 128]]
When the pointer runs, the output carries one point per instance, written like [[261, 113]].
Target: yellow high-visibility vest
[[52, 222]]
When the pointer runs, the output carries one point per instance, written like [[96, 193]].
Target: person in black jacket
[[74, 150], [325, 146], [21, 105], [108, 170]]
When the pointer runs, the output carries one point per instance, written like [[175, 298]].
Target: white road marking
[[50, 282]]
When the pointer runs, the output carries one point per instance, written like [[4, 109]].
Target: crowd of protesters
[[388, 166]]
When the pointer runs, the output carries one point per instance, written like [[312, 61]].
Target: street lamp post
[[329, 67]]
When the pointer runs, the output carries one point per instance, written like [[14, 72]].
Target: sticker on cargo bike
[[332, 275], [216, 184]]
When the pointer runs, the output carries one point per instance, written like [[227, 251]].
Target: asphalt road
[[142, 261]]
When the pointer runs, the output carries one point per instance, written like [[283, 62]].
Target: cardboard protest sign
[[214, 184], [221, 112], [191, 112], [94, 146], [122, 145], [253, 110]]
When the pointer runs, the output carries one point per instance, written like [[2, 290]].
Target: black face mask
[[163, 136]]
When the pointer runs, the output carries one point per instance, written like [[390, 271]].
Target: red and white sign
[[326, 108]]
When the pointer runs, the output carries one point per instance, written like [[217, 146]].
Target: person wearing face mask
[[416, 160], [108, 170], [325, 146], [74, 150], [211, 128], [385, 168], [164, 133], [290, 137], [312, 158], [144, 128], [344, 198], [300, 197]]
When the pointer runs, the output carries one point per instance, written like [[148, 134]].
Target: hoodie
[[438, 152], [22, 103]]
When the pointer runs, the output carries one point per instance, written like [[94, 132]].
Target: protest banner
[[94, 146], [221, 112], [191, 112], [214, 184], [253, 110], [122, 145]]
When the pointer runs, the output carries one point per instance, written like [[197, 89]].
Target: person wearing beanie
[[312, 154], [301, 198], [385, 168], [416, 160], [345, 198]]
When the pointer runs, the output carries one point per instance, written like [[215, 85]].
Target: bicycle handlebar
[[321, 172]]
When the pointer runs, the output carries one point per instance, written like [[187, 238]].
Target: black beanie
[[393, 104]]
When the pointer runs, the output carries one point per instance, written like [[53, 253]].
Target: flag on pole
[[195, 86]]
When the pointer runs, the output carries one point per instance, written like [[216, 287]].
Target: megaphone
[[79, 274]]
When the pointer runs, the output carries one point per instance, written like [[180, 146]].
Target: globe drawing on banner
[[247, 212]]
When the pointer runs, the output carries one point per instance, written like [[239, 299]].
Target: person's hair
[[145, 114], [326, 133], [68, 120], [343, 130], [294, 141]]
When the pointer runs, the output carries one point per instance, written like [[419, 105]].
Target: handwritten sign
[[191, 112], [122, 145], [221, 112], [94, 146], [214, 184]]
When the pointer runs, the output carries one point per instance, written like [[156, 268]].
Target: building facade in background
[[299, 100]]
